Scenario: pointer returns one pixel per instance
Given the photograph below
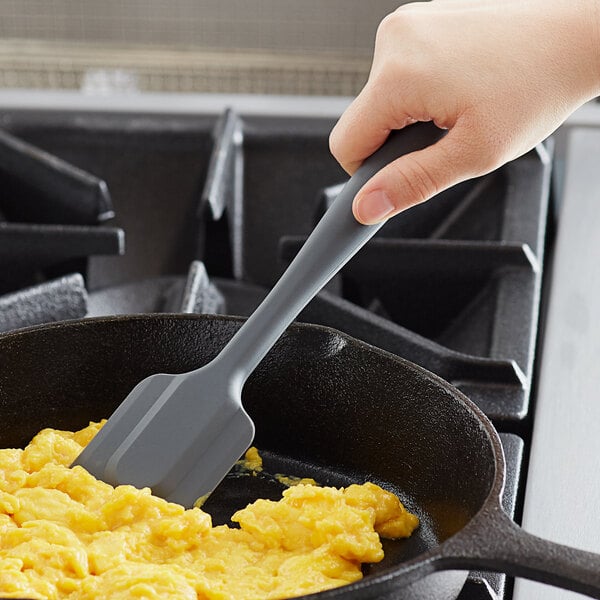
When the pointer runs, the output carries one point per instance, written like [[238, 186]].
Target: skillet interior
[[324, 405]]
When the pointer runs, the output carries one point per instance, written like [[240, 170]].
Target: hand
[[500, 75]]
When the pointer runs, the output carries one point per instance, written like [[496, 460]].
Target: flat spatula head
[[177, 434]]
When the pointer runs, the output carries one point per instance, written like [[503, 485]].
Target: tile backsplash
[[302, 47]]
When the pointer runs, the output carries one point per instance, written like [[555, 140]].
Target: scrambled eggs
[[65, 534]]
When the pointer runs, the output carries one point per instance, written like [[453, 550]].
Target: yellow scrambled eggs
[[65, 534]]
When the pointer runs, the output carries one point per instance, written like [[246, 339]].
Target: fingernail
[[373, 207]]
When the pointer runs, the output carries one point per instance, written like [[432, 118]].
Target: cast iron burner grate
[[213, 210]]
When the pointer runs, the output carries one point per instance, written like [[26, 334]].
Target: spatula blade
[[210, 469], [139, 401], [177, 434]]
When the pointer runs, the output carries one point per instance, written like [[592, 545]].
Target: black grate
[[50, 213]]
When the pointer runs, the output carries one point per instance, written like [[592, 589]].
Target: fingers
[[414, 178], [363, 127]]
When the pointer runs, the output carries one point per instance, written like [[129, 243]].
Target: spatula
[[181, 434]]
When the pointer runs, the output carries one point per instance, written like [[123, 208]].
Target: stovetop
[[122, 213]]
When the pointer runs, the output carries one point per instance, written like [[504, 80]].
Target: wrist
[[570, 34], [586, 37], [594, 16]]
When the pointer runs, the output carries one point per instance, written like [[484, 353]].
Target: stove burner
[[453, 285], [55, 300], [192, 294]]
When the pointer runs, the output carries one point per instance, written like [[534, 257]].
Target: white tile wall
[[338, 26], [309, 47]]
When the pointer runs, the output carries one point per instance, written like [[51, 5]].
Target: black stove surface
[[118, 213]]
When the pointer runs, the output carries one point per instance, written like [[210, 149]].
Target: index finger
[[363, 127]]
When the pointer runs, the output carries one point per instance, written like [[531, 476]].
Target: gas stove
[[117, 212]]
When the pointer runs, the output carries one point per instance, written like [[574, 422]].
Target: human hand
[[500, 75]]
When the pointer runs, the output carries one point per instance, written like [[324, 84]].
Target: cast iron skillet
[[326, 406]]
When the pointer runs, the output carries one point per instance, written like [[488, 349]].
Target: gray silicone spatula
[[181, 434]]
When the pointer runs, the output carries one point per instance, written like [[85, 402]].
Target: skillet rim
[[386, 578]]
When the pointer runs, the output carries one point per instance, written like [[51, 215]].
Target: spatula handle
[[335, 239]]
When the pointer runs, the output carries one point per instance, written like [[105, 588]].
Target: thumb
[[412, 179]]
